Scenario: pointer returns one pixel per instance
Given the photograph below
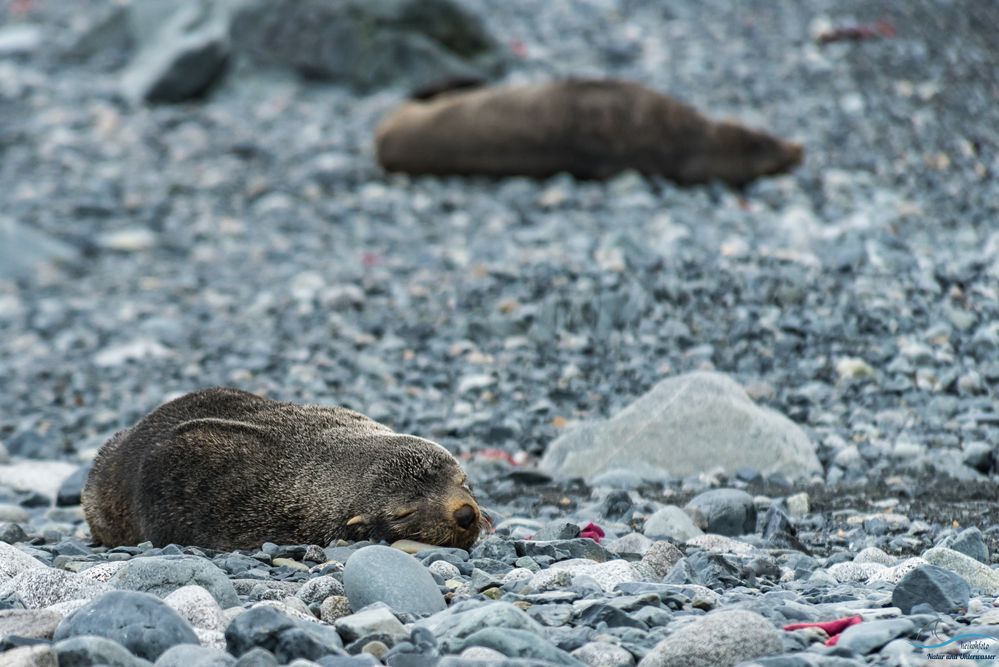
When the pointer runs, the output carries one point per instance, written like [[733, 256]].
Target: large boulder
[[366, 43], [686, 425]]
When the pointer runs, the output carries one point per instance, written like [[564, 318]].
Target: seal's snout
[[465, 516]]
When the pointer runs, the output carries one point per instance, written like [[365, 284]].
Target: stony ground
[[251, 240]]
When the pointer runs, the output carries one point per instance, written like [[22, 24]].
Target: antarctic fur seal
[[225, 469], [588, 128]]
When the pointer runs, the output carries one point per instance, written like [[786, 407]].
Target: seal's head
[[737, 155], [420, 493]]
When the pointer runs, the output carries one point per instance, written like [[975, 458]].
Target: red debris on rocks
[[857, 33], [494, 454], [832, 628], [592, 531]]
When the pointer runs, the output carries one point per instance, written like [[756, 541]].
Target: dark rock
[[779, 532], [366, 44], [942, 589], [286, 638], [723, 511], [86, 651], [185, 57], [970, 542], [140, 622], [72, 487]]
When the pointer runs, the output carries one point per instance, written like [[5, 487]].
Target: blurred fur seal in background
[[225, 469], [588, 128]]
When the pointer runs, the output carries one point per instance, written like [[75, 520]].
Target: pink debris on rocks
[[832, 628], [592, 531]]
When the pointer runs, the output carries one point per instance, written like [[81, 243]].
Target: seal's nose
[[464, 516]]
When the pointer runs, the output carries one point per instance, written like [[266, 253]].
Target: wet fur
[[589, 128], [225, 469]]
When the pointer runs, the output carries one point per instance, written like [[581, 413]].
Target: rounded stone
[[728, 512], [382, 574], [140, 622], [724, 638]]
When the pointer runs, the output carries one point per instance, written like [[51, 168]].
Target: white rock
[[102, 571], [39, 588], [211, 638], [873, 555], [197, 606], [721, 544], [13, 562], [855, 571], [895, 573]]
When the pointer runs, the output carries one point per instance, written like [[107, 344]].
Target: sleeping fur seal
[[588, 128], [226, 469]]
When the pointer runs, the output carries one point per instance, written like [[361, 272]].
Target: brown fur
[[588, 128], [225, 469]]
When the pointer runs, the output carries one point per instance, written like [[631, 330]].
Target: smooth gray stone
[[383, 574]]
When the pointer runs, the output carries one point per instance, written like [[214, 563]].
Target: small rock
[[519, 643], [671, 522], [661, 557], [728, 512], [632, 543], [317, 589], [971, 543], [603, 654], [86, 651], [288, 639], [942, 590], [197, 606], [71, 488], [375, 618], [978, 575], [333, 608], [187, 655], [869, 636]]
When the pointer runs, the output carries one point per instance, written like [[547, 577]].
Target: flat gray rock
[[869, 636], [686, 425], [162, 575]]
